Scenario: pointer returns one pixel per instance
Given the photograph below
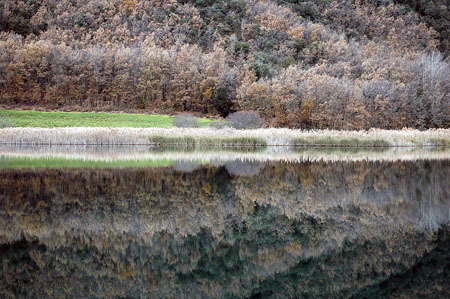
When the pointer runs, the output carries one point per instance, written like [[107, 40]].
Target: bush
[[4, 120], [185, 120], [245, 120], [219, 124]]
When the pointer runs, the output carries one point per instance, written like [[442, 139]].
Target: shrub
[[4, 120], [245, 120], [241, 47], [219, 124], [185, 120]]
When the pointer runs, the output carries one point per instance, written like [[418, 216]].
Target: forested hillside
[[343, 64]]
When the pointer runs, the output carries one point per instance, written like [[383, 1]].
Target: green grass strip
[[38, 119]]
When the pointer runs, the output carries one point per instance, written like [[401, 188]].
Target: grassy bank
[[38, 119]]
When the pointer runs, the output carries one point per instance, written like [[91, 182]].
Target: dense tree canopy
[[310, 64]]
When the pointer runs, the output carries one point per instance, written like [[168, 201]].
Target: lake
[[122, 222]]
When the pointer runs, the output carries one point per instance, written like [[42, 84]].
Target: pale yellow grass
[[272, 136]]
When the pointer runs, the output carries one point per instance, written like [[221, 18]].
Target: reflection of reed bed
[[190, 149], [203, 137], [141, 156]]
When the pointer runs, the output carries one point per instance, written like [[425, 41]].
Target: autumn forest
[[317, 64]]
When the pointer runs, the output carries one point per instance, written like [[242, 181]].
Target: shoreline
[[207, 137]]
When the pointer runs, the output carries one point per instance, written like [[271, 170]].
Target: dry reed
[[224, 137]]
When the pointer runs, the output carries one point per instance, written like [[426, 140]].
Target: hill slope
[[311, 64]]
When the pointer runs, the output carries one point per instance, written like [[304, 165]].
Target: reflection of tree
[[164, 199], [289, 229], [423, 280], [244, 168], [185, 166]]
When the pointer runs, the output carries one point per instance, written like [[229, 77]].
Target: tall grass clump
[[439, 142], [331, 141], [5, 122], [212, 141], [185, 120]]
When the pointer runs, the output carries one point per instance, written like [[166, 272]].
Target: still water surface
[[218, 228]]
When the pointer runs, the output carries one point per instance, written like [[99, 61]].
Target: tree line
[[310, 64]]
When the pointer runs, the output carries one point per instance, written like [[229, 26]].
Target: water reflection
[[244, 167], [228, 229], [23, 156]]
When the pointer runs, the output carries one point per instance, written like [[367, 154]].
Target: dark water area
[[367, 229]]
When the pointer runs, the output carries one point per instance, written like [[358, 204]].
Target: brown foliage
[[377, 63]]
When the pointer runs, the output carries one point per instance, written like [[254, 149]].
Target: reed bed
[[203, 137], [207, 141], [11, 156]]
